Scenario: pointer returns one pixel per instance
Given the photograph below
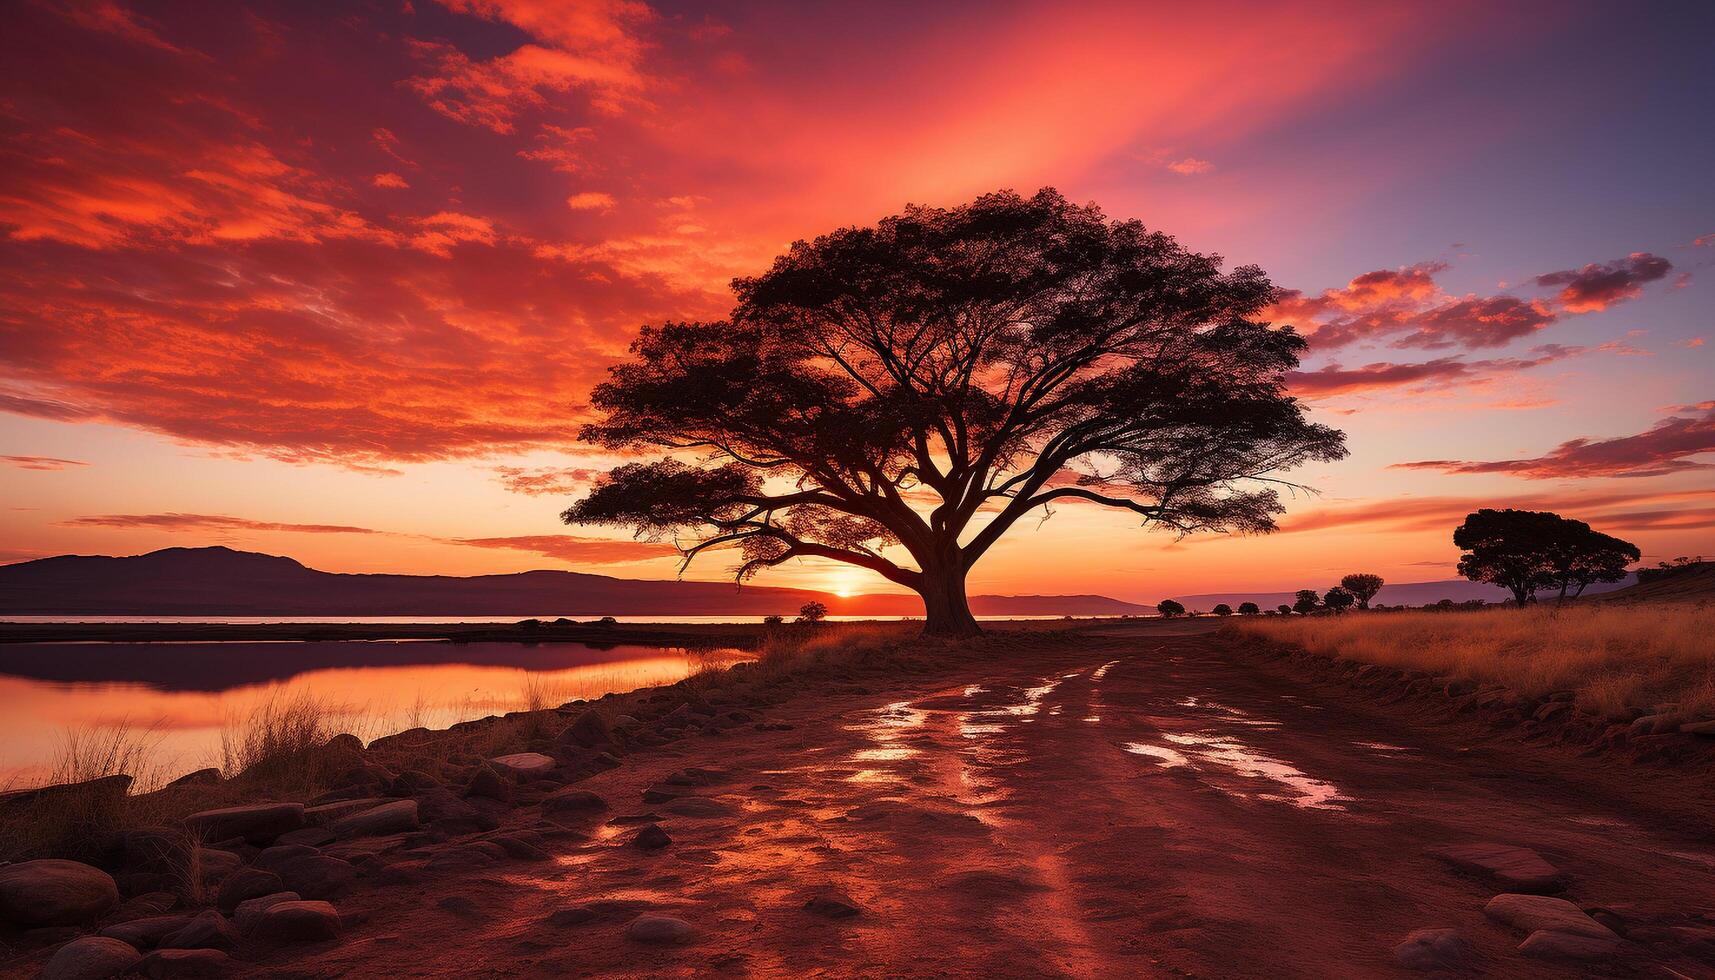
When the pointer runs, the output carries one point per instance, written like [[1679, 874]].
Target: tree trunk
[[947, 613]]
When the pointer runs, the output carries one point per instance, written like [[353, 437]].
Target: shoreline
[[663, 633]]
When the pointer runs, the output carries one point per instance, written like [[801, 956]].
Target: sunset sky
[[337, 285]]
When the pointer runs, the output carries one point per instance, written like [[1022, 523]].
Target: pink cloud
[[1669, 446]]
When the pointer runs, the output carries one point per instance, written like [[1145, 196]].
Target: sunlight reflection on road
[[1225, 750]]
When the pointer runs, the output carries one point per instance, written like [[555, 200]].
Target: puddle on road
[[1032, 702], [1383, 747], [1302, 790], [1100, 673], [893, 753], [1160, 753]]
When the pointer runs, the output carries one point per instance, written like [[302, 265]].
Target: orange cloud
[[576, 550], [1609, 511], [549, 481], [205, 522], [41, 462]]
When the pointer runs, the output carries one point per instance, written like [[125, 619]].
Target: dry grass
[[278, 741], [1613, 657], [799, 646], [110, 750]]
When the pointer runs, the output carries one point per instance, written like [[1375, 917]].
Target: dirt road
[[1126, 806]]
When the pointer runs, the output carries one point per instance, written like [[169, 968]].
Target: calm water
[[452, 620], [178, 698]]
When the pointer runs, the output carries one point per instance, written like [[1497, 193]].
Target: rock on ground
[[258, 823], [573, 801], [146, 933], [1519, 868], [249, 913], [51, 892], [1433, 949], [1549, 944], [316, 875], [245, 884], [523, 763], [832, 905], [651, 838], [589, 730], [164, 964], [660, 930], [91, 958], [210, 930], [397, 817], [298, 922], [1532, 913]]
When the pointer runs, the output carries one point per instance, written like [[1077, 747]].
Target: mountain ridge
[[221, 581]]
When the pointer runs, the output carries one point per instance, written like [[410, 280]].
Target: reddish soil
[[1116, 805]]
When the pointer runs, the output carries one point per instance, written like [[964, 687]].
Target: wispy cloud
[[41, 462], [1670, 446]]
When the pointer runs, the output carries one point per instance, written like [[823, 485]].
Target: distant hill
[[1403, 594], [1693, 582], [220, 581]]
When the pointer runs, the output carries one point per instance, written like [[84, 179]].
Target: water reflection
[[1227, 751], [186, 694]]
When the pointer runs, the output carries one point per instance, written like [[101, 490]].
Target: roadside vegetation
[[1616, 659]]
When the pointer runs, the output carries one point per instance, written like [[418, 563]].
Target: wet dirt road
[[1133, 806]]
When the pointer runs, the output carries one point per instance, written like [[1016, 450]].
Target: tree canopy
[[1306, 602], [1338, 599], [1169, 608], [1363, 586], [924, 383], [1248, 609], [1528, 551]]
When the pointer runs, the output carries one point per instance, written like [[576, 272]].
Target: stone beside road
[[51, 892], [1518, 868], [91, 958], [1541, 913]]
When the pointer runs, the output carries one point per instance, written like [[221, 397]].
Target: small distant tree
[[812, 612], [772, 620], [1338, 599], [1283, 609], [1306, 602], [1169, 609], [1363, 586], [1222, 609], [1248, 609]]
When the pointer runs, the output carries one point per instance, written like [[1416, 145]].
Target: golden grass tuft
[[1614, 658], [279, 741]]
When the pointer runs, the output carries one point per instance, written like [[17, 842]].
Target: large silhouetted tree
[[927, 382], [1508, 548], [1584, 556], [1527, 551]]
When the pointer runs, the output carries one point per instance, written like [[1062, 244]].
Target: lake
[[178, 698]]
